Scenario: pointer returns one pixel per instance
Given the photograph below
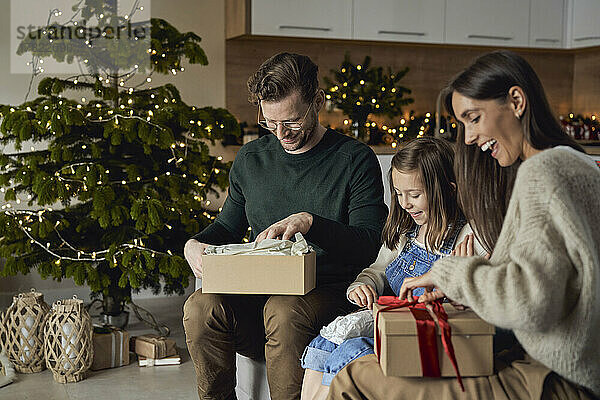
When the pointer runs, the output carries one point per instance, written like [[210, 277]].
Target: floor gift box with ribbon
[[111, 347], [153, 346], [410, 340]]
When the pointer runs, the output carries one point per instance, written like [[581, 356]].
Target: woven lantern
[[68, 345], [22, 333]]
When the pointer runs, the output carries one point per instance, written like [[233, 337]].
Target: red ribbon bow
[[426, 334]]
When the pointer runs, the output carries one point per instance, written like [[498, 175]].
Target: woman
[[543, 278]]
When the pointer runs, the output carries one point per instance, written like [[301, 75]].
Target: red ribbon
[[426, 333]]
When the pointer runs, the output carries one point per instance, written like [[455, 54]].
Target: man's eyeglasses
[[288, 125]]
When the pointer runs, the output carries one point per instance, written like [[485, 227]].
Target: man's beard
[[302, 138]]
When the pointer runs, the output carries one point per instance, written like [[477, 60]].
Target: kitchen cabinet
[[488, 22], [559, 24], [585, 26], [399, 20], [547, 23], [330, 19]]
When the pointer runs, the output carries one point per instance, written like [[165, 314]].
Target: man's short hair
[[281, 75]]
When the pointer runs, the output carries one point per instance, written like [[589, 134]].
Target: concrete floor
[[130, 382]]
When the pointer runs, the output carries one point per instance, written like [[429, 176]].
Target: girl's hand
[[364, 295], [423, 281], [465, 248]]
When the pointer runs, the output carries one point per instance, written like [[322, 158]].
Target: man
[[303, 178]]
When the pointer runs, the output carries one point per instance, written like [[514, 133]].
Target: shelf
[[589, 142]]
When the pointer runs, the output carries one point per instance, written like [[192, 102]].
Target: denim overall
[[414, 260], [325, 356]]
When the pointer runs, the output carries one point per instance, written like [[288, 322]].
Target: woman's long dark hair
[[432, 159], [484, 188]]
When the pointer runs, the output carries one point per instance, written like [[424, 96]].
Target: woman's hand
[[364, 295], [423, 281]]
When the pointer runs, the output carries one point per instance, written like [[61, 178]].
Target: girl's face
[[411, 195], [494, 127]]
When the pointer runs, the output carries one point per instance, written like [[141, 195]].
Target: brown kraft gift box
[[472, 339], [153, 346], [111, 348], [259, 274]]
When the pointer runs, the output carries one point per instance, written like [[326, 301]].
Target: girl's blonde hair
[[432, 159]]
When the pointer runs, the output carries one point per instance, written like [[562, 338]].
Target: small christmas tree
[[360, 90], [119, 182]]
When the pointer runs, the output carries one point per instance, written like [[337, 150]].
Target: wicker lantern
[[22, 332], [68, 345]]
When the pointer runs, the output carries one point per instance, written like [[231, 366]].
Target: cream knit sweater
[[543, 279]]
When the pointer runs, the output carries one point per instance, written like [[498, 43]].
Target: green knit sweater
[[338, 181], [543, 279]]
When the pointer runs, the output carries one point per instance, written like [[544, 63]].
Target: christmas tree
[[118, 182], [360, 90]]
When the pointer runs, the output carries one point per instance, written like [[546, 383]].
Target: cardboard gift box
[[472, 339], [259, 274], [111, 348], [153, 346]]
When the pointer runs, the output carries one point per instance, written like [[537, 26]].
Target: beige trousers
[[521, 379]]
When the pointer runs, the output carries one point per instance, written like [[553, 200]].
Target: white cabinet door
[[399, 20], [488, 22], [586, 23], [547, 23], [330, 19]]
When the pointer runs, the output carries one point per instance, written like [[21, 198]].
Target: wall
[[199, 85], [586, 82], [571, 78]]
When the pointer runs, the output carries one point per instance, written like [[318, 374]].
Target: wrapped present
[[111, 347], [153, 346], [410, 340]]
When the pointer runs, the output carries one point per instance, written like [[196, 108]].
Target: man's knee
[[198, 311], [285, 313]]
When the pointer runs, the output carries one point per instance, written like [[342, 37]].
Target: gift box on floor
[[401, 349], [259, 274], [111, 347], [153, 346]]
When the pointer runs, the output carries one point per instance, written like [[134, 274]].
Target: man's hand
[[364, 295], [193, 251], [287, 227]]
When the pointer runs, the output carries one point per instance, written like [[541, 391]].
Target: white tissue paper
[[358, 324], [273, 247]]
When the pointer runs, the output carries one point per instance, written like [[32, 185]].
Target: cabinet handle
[[306, 28], [586, 38], [490, 37], [547, 40], [401, 33]]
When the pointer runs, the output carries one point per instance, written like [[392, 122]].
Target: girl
[[424, 224]]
